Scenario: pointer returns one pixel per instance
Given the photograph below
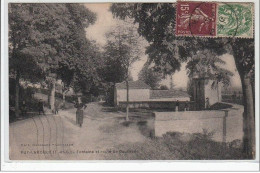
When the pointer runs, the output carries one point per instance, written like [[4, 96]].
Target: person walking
[[56, 106], [23, 109], [41, 107], [79, 113]]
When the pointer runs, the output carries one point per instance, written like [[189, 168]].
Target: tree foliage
[[49, 40], [206, 64], [121, 51], [150, 76], [244, 54], [157, 25], [52, 36]]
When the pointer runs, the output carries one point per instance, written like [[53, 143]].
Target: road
[[61, 139]]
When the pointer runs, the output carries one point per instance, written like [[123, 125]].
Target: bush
[[200, 146], [181, 146], [71, 99]]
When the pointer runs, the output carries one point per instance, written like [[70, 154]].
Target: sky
[[105, 22]]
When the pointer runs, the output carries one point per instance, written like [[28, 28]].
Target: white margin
[[7, 165]]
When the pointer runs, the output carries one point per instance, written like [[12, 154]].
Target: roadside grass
[[177, 146]]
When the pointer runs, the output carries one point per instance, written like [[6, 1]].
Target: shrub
[[180, 146], [200, 146]]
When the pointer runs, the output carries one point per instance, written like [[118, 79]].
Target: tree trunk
[[49, 99], [248, 118], [127, 100], [248, 115], [52, 95], [17, 93], [63, 98], [171, 82]]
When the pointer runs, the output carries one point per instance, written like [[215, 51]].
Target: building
[[141, 95], [205, 90], [138, 91]]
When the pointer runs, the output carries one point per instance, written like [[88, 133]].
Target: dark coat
[[40, 106], [79, 116], [56, 105], [80, 105], [79, 112]]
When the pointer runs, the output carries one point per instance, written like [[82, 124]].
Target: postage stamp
[[196, 18], [235, 19], [214, 19]]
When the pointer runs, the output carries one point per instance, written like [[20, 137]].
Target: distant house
[[138, 91], [141, 95]]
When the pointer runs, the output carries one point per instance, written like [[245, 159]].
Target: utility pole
[[171, 82]]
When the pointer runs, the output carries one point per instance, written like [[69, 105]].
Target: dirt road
[[52, 137]]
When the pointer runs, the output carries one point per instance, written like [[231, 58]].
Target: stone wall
[[169, 105], [227, 125]]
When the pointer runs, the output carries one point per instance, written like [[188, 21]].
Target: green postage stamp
[[235, 19]]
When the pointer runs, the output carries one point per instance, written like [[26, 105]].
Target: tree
[[156, 24], [22, 37], [243, 52], [171, 82], [53, 36], [150, 76], [77, 67], [122, 51], [206, 63]]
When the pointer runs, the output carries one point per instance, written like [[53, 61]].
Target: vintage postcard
[[132, 81]]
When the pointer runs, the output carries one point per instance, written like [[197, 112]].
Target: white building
[[138, 91], [141, 94]]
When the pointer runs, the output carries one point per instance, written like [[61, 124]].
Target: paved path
[[59, 134]]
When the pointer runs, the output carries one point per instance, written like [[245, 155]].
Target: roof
[[156, 94], [133, 85]]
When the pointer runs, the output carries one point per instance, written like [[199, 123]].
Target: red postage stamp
[[196, 19]]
